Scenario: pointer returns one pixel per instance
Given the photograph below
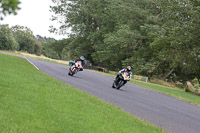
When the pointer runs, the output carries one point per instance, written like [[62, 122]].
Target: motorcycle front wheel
[[70, 73]]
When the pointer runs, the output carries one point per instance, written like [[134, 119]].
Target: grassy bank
[[34, 102], [41, 57], [175, 92]]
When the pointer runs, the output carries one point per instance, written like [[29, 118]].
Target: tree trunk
[[167, 75]]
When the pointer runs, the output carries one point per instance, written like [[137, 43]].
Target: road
[[166, 112]]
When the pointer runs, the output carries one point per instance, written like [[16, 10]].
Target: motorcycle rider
[[128, 70], [81, 59]]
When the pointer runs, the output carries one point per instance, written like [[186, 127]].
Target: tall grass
[[33, 102]]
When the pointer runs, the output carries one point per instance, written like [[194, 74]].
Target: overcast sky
[[35, 15]]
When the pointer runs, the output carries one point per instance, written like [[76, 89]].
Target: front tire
[[70, 74]]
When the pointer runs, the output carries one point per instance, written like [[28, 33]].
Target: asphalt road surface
[[168, 113]]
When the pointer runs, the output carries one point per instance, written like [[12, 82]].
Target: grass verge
[[42, 57], [175, 92], [34, 102]]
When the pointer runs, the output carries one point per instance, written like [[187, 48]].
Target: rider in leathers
[[81, 59], [128, 70]]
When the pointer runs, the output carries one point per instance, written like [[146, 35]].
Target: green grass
[[33, 102], [175, 92], [38, 58]]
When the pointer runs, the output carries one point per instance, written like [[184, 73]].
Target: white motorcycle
[[74, 68]]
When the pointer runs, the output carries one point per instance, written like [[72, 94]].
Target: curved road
[[168, 113]]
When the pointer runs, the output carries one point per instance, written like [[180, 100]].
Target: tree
[[159, 38], [26, 39], [7, 40], [44, 39], [54, 49], [8, 7], [176, 40], [88, 24]]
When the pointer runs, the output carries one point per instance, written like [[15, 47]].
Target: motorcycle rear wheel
[[113, 85], [120, 84]]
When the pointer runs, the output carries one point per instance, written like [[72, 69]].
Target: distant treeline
[[19, 38]]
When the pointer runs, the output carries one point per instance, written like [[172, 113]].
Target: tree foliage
[[157, 37], [26, 40], [8, 7], [7, 41], [19, 38]]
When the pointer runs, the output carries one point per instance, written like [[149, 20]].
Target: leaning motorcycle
[[122, 79], [74, 68]]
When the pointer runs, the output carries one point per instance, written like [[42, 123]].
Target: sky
[[35, 15]]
